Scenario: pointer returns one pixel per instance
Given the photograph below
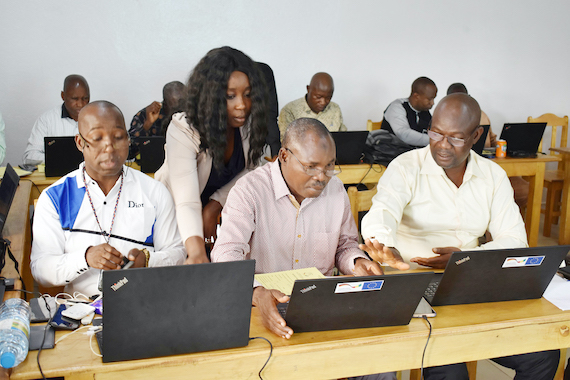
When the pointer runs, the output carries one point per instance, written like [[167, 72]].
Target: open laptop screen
[[8, 189]]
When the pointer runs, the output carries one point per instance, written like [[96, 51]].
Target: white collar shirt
[[50, 124], [417, 207]]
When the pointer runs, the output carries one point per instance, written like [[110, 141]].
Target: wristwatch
[[146, 255]]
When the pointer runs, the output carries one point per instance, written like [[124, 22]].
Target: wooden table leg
[[536, 183], [564, 230]]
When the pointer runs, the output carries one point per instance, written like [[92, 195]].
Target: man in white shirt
[[96, 216], [520, 186], [442, 198], [59, 121], [409, 118]]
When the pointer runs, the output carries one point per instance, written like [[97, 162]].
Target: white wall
[[374, 49]]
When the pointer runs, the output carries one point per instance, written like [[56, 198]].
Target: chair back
[[360, 201], [373, 125], [556, 123]]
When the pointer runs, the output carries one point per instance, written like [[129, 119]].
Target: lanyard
[[106, 236]]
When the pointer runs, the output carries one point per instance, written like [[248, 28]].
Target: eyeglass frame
[[449, 138], [318, 170], [95, 146]]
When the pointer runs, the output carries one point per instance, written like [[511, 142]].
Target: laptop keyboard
[[430, 290]]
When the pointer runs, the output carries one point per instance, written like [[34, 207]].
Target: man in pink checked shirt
[[290, 214]]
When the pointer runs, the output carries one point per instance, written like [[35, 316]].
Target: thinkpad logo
[[117, 285], [308, 289], [458, 262]]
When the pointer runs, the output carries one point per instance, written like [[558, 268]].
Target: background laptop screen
[[8, 189], [522, 139]]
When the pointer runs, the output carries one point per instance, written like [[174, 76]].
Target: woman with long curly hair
[[220, 135]]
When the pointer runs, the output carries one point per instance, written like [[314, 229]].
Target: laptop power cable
[[424, 353], [270, 353]]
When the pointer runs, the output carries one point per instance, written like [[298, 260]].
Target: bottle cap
[[7, 360]]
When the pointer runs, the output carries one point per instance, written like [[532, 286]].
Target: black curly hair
[[206, 108]]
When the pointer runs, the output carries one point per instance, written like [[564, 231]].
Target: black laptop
[[496, 275], [480, 144], [522, 139], [337, 303], [61, 155], [8, 188], [151, 312], [349, 146], [151, 150]]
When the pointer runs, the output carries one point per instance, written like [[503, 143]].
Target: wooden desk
[[564, 229], [40, 181], [532, 169], [361, 173], [460, 333], [17, 230]]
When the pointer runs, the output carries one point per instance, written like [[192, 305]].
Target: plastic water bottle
[[14, 332]]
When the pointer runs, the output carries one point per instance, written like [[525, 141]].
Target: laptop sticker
[[528, 261], [362, 286]]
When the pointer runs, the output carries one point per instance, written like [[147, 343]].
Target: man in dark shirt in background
[[153, 120]]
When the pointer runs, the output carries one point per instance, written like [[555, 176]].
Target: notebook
[[496, 275], [337, 303], [349, 146], [151, 312], [61, 155], [480, 144], [8, 188], [152, 153], [522, 139]]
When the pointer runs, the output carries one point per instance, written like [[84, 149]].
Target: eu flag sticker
[[534, 261], [525, 261], [361, 286]]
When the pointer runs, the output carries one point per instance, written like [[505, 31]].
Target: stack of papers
[[284, 281], [558, 292], [20, 172]]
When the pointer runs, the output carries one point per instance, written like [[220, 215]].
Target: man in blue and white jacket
[[103, 212]]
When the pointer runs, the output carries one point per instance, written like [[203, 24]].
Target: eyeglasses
[[313, 172], [452, 140], [115, 141]]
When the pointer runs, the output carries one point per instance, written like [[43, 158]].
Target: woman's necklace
[[106, 236]]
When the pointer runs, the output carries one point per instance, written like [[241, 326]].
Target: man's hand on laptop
[[439, 261], [266, 301], [384, 254], [103, 256], [365, 267]]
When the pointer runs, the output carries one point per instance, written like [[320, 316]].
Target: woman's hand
[[210, 215]]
